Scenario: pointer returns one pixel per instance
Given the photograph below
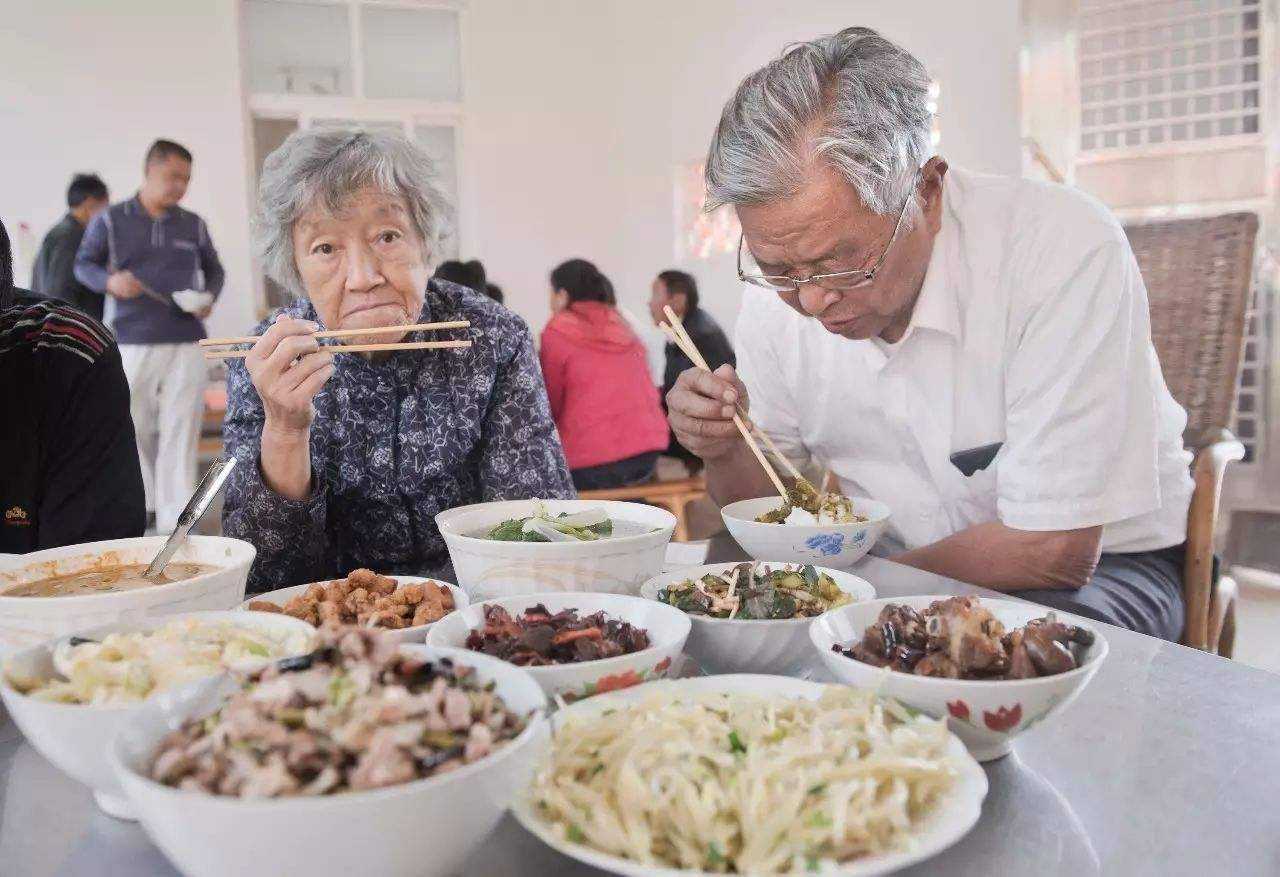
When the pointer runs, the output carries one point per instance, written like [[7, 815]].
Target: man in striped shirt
[[68, 462], [139, 253]]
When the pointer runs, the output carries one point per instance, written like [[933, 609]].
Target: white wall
[[87, 85], [578, 112]]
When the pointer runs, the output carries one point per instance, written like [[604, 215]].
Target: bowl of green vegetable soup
[[530, 546]]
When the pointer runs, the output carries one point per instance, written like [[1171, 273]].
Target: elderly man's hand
[[700, 409], [288, 368]]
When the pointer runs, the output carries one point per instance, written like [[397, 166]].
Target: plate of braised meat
[[574, 644], [992, 667], [959, 638]]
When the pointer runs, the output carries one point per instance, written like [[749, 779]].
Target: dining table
[[1168, 763]]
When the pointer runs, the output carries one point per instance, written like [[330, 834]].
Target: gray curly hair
[[853, 98], [325, 166]]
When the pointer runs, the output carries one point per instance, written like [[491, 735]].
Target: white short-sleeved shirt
[[1032, 328]]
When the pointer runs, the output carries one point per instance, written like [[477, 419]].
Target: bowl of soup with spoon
[[60, 590]]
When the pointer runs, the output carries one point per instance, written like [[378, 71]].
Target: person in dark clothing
[[151, 255], [68, 462], [679, 290], [469, 274], [54, 273]]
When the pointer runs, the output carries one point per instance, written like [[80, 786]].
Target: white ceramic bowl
[[76, 737], [425, 827], [667, 626], [833, 545], [986, 715], [951, 820], [29, 621], [726, 645], [415, 634], [617, 565], [192, 300]]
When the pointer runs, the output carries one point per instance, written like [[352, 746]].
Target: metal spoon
[[206, 490]]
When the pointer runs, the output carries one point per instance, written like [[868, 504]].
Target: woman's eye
[[322, 250], [388, 237]]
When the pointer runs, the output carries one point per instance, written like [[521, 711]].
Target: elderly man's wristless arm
[[1005, 559], [285, 458]]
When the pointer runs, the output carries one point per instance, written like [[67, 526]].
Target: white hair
[[853, 99], [324, 167]]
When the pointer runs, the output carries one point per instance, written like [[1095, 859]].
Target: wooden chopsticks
[[347, 333], [351, 348], [680, 338]]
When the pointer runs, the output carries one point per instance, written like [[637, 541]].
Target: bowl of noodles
[[750, 774]]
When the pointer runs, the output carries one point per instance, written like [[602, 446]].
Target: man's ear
[[932, 176]]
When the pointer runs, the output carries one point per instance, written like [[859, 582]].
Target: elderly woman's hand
[[288, 368], [700, 409]]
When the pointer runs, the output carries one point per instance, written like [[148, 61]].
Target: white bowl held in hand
[[76, 737], [29, 621], [415, 634], [421, 828], [950, 820], [728, 645], [668, 628], [985, 714], [192, 301], [833, 545], [616, 564]]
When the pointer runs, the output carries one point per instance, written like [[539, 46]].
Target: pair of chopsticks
[[680, 338], [347, 333]]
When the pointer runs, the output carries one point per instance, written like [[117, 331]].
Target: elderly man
[[973, 350]]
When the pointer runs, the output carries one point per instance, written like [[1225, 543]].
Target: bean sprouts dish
[[124, 668], [739, 783]]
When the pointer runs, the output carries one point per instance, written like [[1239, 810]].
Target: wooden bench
[[674, 496], [209, 444]]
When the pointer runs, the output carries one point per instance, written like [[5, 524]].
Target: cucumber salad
[[587, 525]]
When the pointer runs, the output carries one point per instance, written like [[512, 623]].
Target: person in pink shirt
[[603, 399]]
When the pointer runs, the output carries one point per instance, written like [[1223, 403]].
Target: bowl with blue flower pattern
[[834, 545]]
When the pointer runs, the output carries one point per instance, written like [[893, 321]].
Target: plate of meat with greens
[[575, 645], [993, 668]]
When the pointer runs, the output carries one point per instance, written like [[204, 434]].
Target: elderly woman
[[345, 460]]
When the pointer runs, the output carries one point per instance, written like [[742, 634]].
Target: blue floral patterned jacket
[[393, 443]]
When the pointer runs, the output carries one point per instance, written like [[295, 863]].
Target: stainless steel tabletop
[[1169, 764]]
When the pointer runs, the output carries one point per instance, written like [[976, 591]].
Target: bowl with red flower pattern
[[985, 713], [576, 655]]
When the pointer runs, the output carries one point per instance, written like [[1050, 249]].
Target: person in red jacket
[[603, 399]]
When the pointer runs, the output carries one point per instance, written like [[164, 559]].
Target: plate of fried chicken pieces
[[407, 605]]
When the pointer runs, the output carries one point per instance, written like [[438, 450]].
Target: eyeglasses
[[838, 281]]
